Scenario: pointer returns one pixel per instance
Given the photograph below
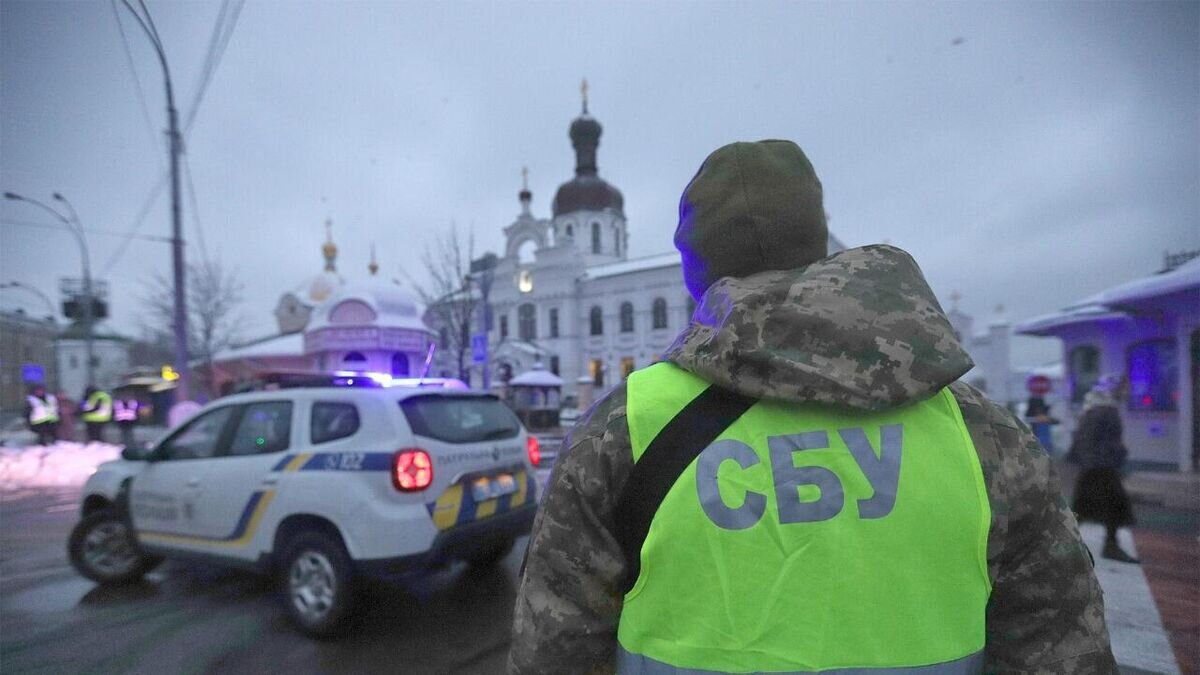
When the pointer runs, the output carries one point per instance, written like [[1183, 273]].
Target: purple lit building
[[1147, 329]]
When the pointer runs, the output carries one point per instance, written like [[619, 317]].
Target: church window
[[553, 322], [570, 230], [503, 326], [626, 367], [660, 314], [626, 317], [1153, 372], [1084, 366], [596, 368], [444, 337], [554, 364], [527, 252], [596, 319], [354, 357], [399, 364], [595, 237], [617, 240], [527, 322]]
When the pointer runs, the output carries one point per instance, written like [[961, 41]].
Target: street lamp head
[[59, 197], [12, 195]]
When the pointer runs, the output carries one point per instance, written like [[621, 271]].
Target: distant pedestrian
[[125, 414], [1037, 411], [96, 412], [67, 407], [41, 414], [1100, 453]]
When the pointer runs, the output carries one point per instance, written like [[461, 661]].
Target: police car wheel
[[102, 548], [318, 583]]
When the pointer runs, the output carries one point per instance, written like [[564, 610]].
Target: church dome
[[587, 193], [322, 287], [371, 303]]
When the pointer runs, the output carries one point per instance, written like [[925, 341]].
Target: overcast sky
[[1026, 154]]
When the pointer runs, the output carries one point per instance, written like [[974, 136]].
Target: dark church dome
[[587, 190], [587, 193]]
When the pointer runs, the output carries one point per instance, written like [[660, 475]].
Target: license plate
[[483, 489]]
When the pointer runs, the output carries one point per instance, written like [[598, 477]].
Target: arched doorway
[[399, 364]]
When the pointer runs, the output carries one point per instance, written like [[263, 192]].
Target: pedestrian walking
[[125, 414], [67, 408], [96, 412], [41, 414], [1100, 452], [802, 484], [1037, 411]]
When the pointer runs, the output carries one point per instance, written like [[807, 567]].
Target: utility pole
[[175, 147]]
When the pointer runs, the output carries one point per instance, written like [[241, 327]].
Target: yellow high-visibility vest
[[99, 406], [807, 538], [42, 412]]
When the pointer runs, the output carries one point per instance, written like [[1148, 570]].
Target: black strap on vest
[[675, 447]]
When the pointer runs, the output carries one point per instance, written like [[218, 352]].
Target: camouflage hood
[[860, 328]]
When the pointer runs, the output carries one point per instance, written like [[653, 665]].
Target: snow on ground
[[63, 464]]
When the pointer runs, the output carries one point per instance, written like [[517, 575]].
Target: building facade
[[110, 359], [567, 295], [27, 355], [329, 325], [1147, 330]]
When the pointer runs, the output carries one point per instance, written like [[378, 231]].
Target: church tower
[[588, 213]]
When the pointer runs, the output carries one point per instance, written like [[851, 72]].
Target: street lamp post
[[175, 147], [76, 228], [36, 291]]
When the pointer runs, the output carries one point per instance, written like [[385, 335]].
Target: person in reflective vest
[[96, 411], [802, 484], [125, 414], [41, 414]]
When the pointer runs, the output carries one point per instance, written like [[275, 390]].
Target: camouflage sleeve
[[1046, 612], [569, 604]]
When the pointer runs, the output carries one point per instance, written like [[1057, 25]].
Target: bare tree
[[450, 302], [214, 296]]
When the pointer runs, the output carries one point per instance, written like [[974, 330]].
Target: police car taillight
[[534, 449], [412, 470]]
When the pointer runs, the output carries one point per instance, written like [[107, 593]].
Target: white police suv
[[324, 486]]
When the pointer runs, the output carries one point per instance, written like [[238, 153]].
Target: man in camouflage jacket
[[778, 320]]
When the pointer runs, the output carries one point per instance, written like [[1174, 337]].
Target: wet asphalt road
[[189, 618]]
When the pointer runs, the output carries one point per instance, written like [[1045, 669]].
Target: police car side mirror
[[141, 452]]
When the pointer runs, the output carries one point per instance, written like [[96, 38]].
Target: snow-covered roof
[[392, 306], [279, 345], [1048, 324], [1183, 278], [649, 262], [538, 376], [1106, 305]]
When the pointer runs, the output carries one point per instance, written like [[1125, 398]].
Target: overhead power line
[[137, 82], [138, 221], [223, 28], [187, 167], [227, 19]]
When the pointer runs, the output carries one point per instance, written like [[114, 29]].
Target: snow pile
[[62, 464]]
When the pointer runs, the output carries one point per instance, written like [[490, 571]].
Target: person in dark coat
[[1100, 453]]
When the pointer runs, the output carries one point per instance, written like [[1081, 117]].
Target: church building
[[567, 295]]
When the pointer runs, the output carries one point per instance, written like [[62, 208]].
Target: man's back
[[858, 335]]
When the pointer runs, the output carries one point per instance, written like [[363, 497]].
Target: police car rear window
[[460, 419]]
